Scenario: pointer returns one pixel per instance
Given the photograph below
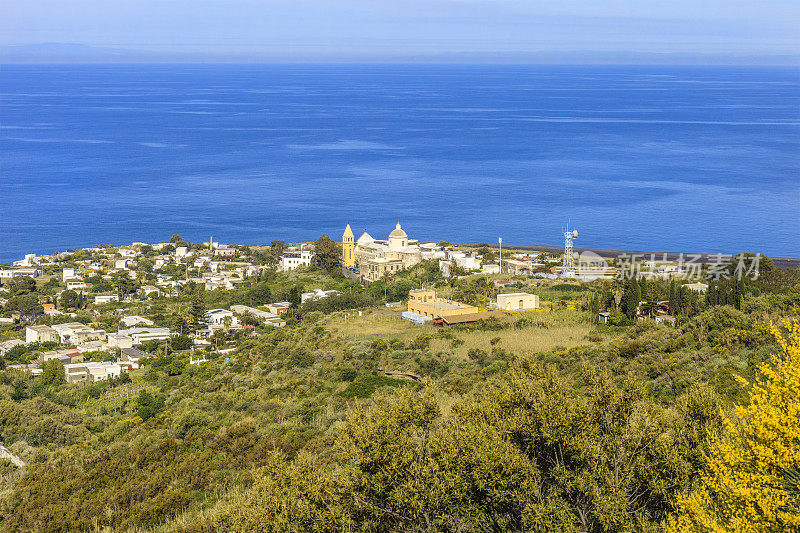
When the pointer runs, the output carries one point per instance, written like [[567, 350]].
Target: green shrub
[[365, 386], [348, 374], [300, 358]]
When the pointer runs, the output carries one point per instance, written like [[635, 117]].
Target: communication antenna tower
[[569, 259]]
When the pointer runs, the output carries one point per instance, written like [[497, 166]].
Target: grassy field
[[380, 323], [556, 328]]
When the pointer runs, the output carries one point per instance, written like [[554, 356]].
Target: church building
[[376, 258]]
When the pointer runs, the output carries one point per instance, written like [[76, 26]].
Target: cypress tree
[[608, 297], [673, 307], [197, 310], [631, 297]]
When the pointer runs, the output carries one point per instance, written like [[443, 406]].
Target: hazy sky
[[402, 27]]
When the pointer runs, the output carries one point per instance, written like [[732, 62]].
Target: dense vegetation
[[542, 421]]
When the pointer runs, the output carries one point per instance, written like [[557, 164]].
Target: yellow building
[[348, 248], [425, 303]]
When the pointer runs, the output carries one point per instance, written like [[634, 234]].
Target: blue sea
[[693, 159]]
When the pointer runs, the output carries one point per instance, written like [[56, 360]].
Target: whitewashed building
[[293, 260]]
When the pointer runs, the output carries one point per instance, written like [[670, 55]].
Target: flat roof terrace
[[443, 305]]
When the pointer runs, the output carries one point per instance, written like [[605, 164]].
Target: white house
[[292, 260], [221, 282], [317, 294], [119, 340], [490, 268], [93, 371], [94, 346], [466, 262], [41, 334], [76, 285], [517, 301], [5, 346], [30, 259], [77, 333], [697, 287], [68, 273], [516, 267], [444, 268], [224, 249], [133, 320], [217, 317], [142, 335], [13, 273], [105, 298], [270, 319], [147, 290]]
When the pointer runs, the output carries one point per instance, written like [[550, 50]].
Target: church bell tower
[[348, 248]]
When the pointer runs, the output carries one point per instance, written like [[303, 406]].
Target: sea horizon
[[680, 158]]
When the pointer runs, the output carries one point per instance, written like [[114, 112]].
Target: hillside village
[[79, 306], [229, 375]]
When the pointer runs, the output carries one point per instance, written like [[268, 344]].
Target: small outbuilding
[[517, 301]]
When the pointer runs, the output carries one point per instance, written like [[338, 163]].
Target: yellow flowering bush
[[751, 484]]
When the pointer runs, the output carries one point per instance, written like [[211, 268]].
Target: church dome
[[398, 233]]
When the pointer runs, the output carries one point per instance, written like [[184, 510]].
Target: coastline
[[780, 262]]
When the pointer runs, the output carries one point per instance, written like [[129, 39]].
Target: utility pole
[[500, 240]]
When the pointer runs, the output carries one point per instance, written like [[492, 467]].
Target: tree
[[19, 390], [631, 297], [594, 305], [277, 247], [483, 286], [25, 304], [327, 254], [295, 297], [21, 285], [125, 285], [752, 478], [650, 307], [69, 299], [177, 240], [259, 293], [287, 496], [147, 405], [197, 310], [608, 300], [179, 324], [750, 265], [180, 342], [52, 372]]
